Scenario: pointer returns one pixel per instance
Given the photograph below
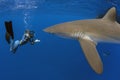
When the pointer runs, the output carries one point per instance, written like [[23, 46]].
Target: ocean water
[[54, 58]]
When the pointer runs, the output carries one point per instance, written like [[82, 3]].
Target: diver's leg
[[14, 46]]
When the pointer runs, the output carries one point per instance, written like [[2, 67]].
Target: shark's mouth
[[64, 35]]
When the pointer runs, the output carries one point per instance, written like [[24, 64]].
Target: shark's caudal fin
[[111, 14], [89, 49]]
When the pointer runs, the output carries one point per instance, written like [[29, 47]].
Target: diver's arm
[[37, 40], [32, 41]]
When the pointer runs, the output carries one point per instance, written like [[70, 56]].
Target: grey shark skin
[[89, 32]]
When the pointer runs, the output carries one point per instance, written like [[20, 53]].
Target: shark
[[90, 32]]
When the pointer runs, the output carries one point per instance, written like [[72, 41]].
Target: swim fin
[[9, 31]]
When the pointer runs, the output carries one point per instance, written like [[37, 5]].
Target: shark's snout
[[49, 30], [54, 29]]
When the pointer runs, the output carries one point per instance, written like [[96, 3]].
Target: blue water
[[54, 58]]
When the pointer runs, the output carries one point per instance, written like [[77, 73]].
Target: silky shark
[[89, 32]]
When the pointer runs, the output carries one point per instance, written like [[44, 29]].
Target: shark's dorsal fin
[[111, 14]]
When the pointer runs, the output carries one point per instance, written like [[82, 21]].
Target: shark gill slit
[[81, 35]]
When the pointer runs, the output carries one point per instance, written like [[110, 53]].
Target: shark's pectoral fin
[[93, 58]]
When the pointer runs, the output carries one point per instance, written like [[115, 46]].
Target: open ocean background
[[54, 58]]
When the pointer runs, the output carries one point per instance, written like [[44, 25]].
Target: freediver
[[28, 36]]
